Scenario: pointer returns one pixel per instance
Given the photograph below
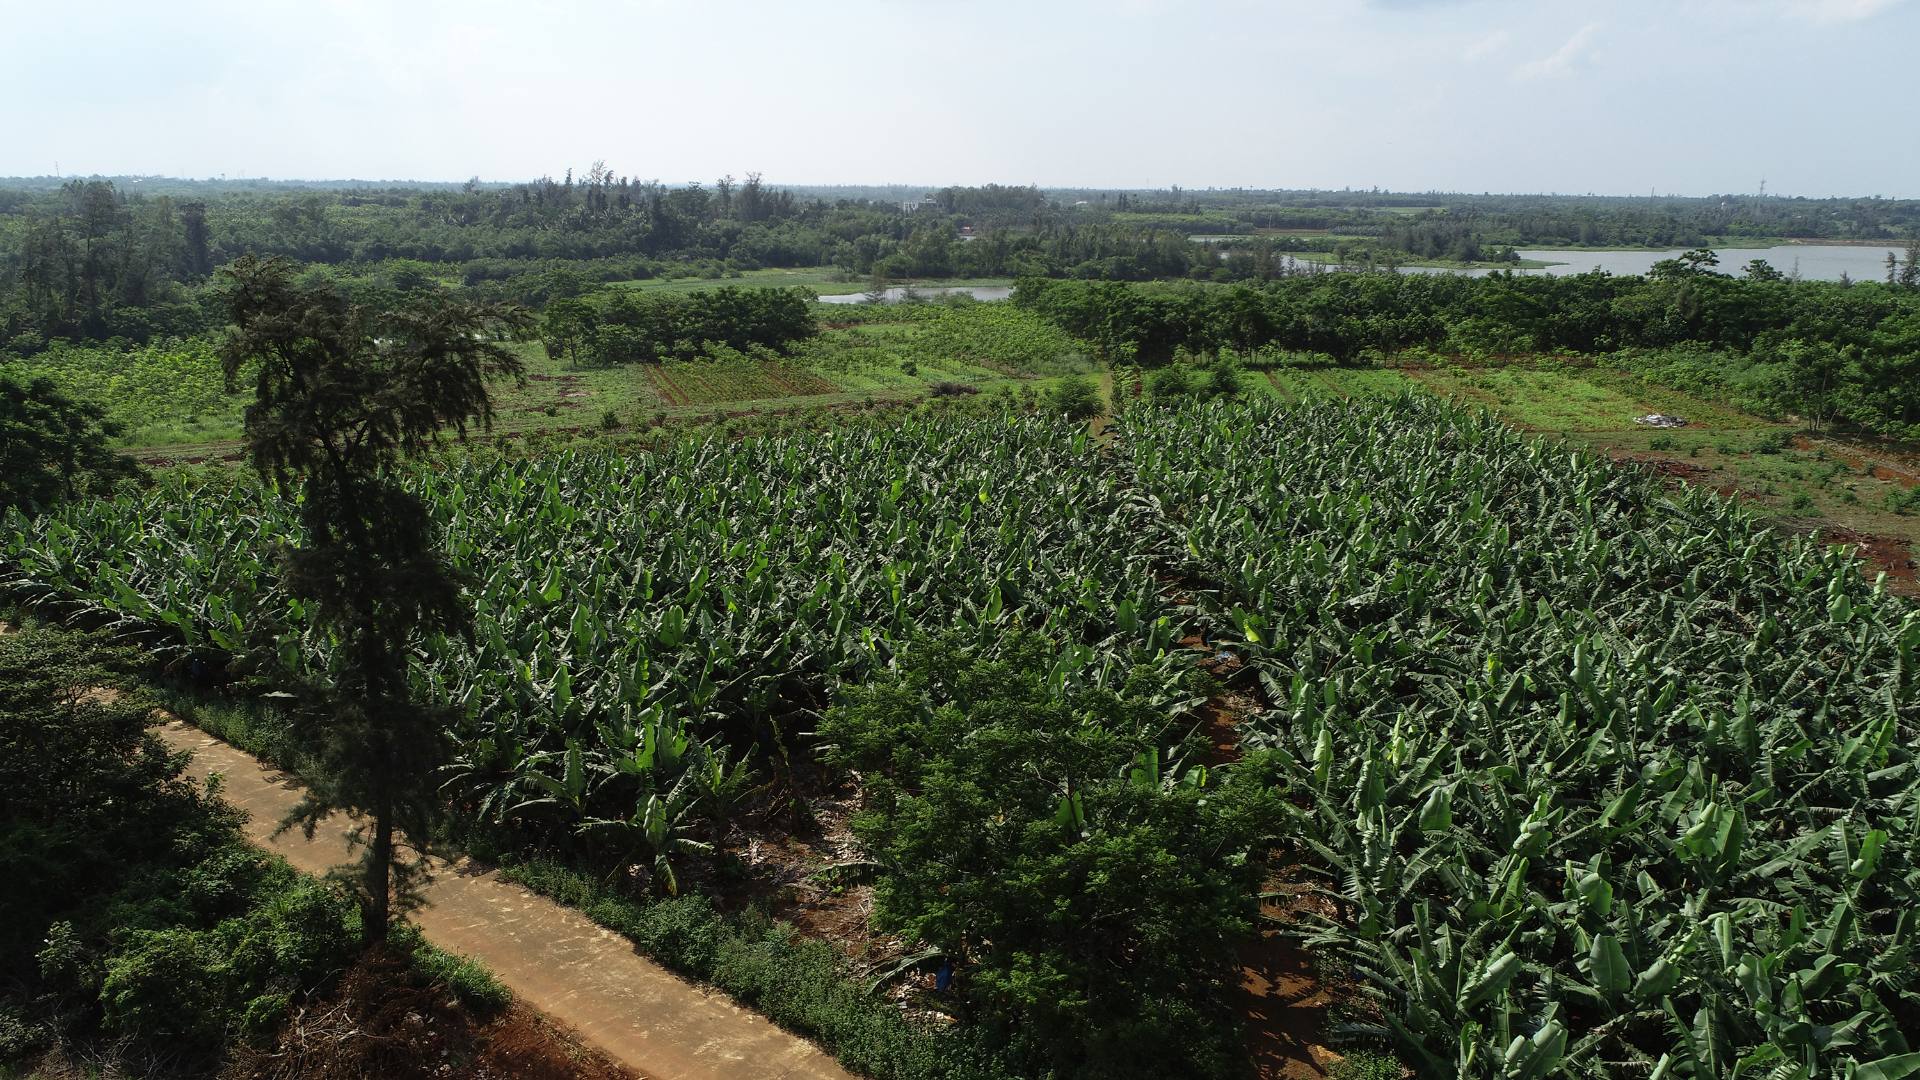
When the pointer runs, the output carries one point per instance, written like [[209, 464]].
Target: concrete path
[[552, 957]]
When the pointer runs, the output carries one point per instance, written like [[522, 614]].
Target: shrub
[[468, 980], [1076, 398], [1010, 815], [1169, 383], [166, 985]]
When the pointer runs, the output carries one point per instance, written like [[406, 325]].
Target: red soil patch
[[381, 1020], [1884, 554], [1674, 469], [1281, 1000], [1893, 471]]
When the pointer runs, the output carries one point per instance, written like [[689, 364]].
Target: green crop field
[[1306, 383], [1570, 753], [1628, 773]]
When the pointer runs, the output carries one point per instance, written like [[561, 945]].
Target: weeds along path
[[552, 958]]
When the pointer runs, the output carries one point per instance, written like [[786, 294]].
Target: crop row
[[1605, 780], [639, 616]]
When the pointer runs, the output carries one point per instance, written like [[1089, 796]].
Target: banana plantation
[[1594, 777]]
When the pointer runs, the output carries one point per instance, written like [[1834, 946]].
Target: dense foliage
[[130, 903], [624, 326], [95, 260], [1608, 781], [643, 622], [51, 446], [166, 391], [1604, 780], [1848, 352], [1086, 880]]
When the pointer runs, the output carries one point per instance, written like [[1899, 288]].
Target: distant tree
[[197, 239], [52, 447], [1762, 270], [1815, 374], [342, 396], [1695, 263]]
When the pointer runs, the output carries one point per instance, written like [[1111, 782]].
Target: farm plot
[[715, 382], [1605, 780], [697, 598]]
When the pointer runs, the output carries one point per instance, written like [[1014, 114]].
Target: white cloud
[[1563, 59], [1486, 46], [1838, 11]]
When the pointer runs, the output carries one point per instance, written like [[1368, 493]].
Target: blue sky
[[1623, 97]]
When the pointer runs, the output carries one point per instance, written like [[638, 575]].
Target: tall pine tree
[[343, 395]]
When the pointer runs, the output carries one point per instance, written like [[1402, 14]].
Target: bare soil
[[381, 1021], [1283, 1003]]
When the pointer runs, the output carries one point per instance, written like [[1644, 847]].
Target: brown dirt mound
[[382, 1021], [1881, 553]]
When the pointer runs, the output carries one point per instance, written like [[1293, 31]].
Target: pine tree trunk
[[379, 881]]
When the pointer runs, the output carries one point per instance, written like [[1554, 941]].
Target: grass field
[[1299, 384], [1808, 482]]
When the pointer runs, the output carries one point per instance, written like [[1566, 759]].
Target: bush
[[18, 1036], [1169, 383], [129, 898], [981, 856], [1076, 398], [1220, 379], [165, 986]]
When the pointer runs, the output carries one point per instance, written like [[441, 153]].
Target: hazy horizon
[[1687, 99]]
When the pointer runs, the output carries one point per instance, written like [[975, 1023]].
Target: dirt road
[[553, 958]]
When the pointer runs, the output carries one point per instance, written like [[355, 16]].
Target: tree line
[[623, 326], [1831, 351]]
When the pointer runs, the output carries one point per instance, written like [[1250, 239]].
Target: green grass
[[1301, 383], [1555, 400], [804, 986]]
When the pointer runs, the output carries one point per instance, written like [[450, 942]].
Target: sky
[[1611, 96]]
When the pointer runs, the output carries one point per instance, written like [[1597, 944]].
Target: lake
[[925, 292], [1814, 262]]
